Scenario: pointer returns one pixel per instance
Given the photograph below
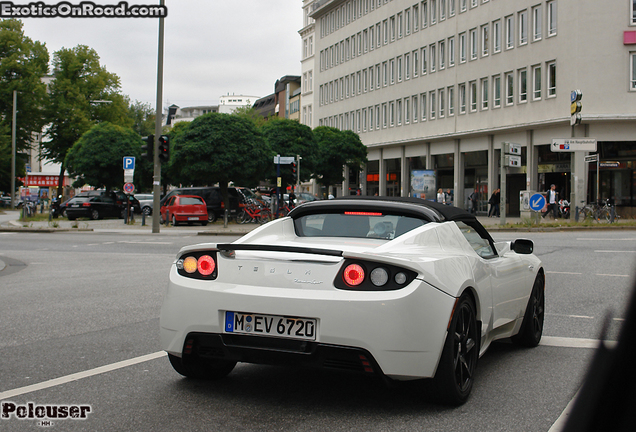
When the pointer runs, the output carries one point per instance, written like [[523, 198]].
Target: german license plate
[[193, 218], [270, 325]]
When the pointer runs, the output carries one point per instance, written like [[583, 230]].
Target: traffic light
[[575, 107], [164, 148], [294, 171], [148, 148]]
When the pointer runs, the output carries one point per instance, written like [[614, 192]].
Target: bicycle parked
[[254, 211], [599, 213]]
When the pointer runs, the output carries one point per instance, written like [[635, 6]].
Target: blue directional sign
[[129, 162], [537, 202]]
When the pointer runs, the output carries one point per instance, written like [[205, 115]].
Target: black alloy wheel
[[94, 214], [455, 373], [532, 326]]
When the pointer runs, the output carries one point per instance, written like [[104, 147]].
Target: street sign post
[[129, 188], [573, 144], [537, 202], [129, 162]]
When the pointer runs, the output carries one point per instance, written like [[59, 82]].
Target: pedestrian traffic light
[[148, 147], [293, 170], [164, 148]]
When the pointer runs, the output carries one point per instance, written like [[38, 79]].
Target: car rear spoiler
[[274, 248]]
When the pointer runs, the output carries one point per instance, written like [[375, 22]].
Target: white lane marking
[[564, 342], [80, 375], [146, 242], [571, 316], [615, 251], [614, 275], [607, 239], [570, 273]]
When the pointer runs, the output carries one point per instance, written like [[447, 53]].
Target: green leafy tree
[[142, 116], [290, 138], [336, 149], [82, 93], [219, 148], [97, 157], [23, 63], [251, 114]]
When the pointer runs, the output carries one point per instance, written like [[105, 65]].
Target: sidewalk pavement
[[9, 221]]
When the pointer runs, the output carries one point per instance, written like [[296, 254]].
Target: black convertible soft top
[[431, 210]]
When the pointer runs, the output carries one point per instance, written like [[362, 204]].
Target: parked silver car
[[145, 201]]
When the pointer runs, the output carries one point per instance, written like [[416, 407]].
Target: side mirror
[[522, 246]]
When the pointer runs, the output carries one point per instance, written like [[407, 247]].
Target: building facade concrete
[[435, 87]]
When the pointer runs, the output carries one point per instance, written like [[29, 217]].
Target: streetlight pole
[[156, 179], [13, 147]]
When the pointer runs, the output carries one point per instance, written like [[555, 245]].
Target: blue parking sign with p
[[129, 162]]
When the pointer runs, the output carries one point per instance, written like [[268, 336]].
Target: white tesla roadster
[[398, 287]]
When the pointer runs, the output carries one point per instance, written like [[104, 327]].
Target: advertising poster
[[423, 184]]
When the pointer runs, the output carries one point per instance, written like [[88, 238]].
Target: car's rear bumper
[[402, 332]]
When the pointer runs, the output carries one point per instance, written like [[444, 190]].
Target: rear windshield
[[356, 224], [190, 201]]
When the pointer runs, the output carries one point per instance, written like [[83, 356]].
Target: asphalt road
[[79, 316]]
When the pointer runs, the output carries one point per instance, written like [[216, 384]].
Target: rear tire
[[174, 220], [95, 214], [532, 326], [455, 373], [211, 217], [201, 369]]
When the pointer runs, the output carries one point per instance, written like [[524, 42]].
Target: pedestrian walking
[[473, 197], [494, 203], [551, 198], [440, 196], [448, 197]]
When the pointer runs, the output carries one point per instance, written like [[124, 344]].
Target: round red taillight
[[206, 265], [353, 274]]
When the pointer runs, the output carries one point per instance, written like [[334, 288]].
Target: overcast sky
[[212, 47]]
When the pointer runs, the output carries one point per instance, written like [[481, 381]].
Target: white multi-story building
[[435, 87], [229, 103], [308, 35]]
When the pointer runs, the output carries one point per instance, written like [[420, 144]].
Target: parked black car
[[98, 204]]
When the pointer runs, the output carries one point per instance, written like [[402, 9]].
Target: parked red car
[[184, 208]]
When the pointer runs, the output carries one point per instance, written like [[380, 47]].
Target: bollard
[[167, 217], [612, 214], [225, 218], [576, 213], [143, 219]]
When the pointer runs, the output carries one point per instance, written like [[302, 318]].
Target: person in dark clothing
[[494, 203]]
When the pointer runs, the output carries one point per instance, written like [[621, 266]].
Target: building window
[[496, 30], [432, 52], [416, 64], [433, 11], [377, 117], [398, 111], [392, 27], [552, 17], [536, 23], [407, 21], [523, 85], [371, 119], [442, 54], [407, 110], [385, 31], [442, 103], [632, 72], [451, 7], [415, 106], [462, 5], [484, 94], [424, 61], [510, 35], [496, 91], [462, 98], [485, 40], [378, 77], [392, 114], [423, 105], [407, 66], [451, 101], [442, 10], [416, 18], [473, 44], [523, 27], [424, 14], [384, 116], [399, 69], [392, 71], [462, 48], [510, 89], [551, 79], [473, 96], [433, 102], [451, 51], [400, 25], [536, 82], [385, 74]]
